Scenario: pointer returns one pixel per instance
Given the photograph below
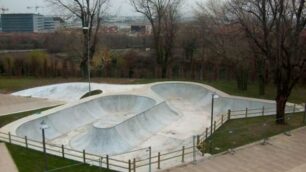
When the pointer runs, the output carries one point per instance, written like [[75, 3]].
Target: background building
[[22, 23], [29, 23]]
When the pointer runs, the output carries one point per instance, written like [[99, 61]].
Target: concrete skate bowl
[[71, 92], [113, 109], [179, 94], [186, 95], [103, 138], [64, 92]]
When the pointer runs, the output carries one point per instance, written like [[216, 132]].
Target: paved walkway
[[10, 104], [6, 162], [282, 154]]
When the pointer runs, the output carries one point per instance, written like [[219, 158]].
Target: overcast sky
[[118, 7]]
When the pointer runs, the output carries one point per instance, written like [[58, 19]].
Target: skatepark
[[130, 117]]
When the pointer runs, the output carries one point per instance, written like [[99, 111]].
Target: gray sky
[[118, 7]]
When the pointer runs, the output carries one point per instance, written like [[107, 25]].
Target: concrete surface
[[282, 154], [163, 115], [7, 164], [70, 92], [10, 104]]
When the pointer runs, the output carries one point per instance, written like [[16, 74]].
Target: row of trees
[[36, 63]]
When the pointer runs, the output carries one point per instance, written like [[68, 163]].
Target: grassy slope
[[33, 161], [13, 117], [239, 132]]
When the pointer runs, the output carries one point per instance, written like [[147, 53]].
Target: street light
[[150, 157], [44, 126], [88, 58], [213, 96]]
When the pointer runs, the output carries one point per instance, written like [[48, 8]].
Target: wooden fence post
[[107, 162], [26, 141], [130, 169], [158, 161], [222, 119], [134, 165], [215, 125], [229, 114], [206, 133], [183, 154], [84, 156], [246, 112], [10, 137], [194, 150], [263, 111], [304, 114], [63, 151]]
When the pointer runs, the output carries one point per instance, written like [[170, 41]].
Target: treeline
[[36, 63], [203, 51], [22, 41]]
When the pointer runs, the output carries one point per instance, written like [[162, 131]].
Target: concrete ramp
[[71, 91], [112, 109], [199, 97], [105, 139], [182, 92]]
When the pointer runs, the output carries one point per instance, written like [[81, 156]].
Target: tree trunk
[[84, 68], [262, 85], [261, 76], [242, 78], [164, 71], [281, 101]]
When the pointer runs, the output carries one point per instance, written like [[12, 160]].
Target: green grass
[[33, 161], [92, 93], [13, 117], [238, 132]]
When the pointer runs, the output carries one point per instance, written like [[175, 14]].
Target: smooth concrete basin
[[111, 109], [103, 138], [187, 94]]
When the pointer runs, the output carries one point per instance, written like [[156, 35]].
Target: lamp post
[[44, 126], [150, 158], [88, 57], [213, 97]]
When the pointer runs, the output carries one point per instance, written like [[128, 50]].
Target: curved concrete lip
[[187, 105]]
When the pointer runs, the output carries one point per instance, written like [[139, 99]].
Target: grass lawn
[[238, 132], [28, 160]]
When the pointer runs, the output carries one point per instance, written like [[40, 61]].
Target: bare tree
[[163, 17], [89, 12], [275, 27], [221, 38]]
